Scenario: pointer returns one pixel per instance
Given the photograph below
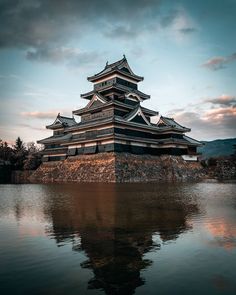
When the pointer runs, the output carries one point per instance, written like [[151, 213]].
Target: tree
[[6, 152], [32, 162], [31, 147], [20, 153], [33, 159], [21, 156], [19, 145]]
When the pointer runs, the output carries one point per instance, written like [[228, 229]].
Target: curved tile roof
[[62, 121], [121, 66]]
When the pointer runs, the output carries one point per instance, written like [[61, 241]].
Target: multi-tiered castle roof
[[115, 121]]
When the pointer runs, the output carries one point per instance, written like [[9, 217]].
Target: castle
[[115, 121]]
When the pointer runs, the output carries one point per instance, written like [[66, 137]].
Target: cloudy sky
[[186, 51]]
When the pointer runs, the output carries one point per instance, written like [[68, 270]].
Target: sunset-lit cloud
[[40, 115], [28, 126], [219, 62], [203, 118], [220, 114], [224, 100]]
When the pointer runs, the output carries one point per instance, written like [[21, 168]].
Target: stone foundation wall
[[118, 167], [136, 168], [226, 169]]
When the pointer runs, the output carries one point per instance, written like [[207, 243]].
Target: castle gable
[[97, 100], [137, 116]]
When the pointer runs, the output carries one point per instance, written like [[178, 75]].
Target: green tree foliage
[[20, 156], [6, 152], [19, 145], [20, 153]]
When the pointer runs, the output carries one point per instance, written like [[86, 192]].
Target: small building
[[114, 120]]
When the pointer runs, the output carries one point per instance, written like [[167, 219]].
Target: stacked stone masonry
[[118, 167]]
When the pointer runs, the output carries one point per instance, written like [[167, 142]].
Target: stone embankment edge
[[118, 167]]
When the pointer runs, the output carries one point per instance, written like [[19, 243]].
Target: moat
[[118, 238]]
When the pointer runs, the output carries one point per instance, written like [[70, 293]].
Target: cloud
[[219, 115], [180, 25], [219, 62], [188, 30], [42, 28], [32, 127], [51, 115], [178, 110], [40, 115], [218, 123], [70, 56], [36, 23], [137, 51], [168, 18], [209, 122], [122, 32], [187, 118], [223, 100], [215, 63]]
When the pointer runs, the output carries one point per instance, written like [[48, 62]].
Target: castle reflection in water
[[115, 228]]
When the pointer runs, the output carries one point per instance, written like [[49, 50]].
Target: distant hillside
[[217, 148]]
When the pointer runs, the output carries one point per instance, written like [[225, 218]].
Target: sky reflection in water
[[118, 239]]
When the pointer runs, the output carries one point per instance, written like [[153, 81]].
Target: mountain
[[217, 148]]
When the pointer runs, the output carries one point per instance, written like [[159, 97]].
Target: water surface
[[118, 239]]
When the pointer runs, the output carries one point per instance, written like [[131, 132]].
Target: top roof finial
[[124, 56], [107, 63]]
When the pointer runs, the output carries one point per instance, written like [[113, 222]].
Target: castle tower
[[114, 120]]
